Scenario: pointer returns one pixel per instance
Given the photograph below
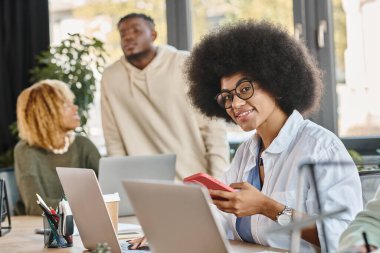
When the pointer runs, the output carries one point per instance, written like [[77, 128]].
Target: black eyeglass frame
[[243, 80]]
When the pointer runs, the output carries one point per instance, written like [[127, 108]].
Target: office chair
[[8, 175], [4, 209]]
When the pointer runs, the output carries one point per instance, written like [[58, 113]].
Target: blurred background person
[[145, 109], [46, 118], [368, 221]]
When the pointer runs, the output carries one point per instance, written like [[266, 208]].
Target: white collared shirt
[[299, 141]]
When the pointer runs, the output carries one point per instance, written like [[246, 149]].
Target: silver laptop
[[90, 213], [176, 217], [112, 170]]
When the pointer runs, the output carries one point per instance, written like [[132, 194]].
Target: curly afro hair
[[267, 53]]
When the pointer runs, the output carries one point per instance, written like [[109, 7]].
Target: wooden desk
[[23, 239]]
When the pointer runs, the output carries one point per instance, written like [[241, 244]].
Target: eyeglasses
[[243, 89]]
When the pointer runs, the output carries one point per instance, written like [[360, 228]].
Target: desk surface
[[23, 239]]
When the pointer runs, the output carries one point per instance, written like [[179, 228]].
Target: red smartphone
[[208, 181]]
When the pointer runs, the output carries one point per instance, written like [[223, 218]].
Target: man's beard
[[137, 56]]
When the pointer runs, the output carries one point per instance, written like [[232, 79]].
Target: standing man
[[145, 109]]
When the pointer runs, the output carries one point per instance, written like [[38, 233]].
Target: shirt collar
[[286, 135]]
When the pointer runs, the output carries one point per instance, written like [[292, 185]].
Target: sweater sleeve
[[29, 182], [92, 156], [114, 143], [366, 221], [215, 140]]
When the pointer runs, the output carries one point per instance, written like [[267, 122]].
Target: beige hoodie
[[148, 112]]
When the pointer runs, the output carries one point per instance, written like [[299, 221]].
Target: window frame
[[310, 17]]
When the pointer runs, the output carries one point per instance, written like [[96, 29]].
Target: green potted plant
[[77, 61]]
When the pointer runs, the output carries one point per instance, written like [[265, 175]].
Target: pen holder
[[53, 237]]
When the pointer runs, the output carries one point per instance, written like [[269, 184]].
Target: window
[[355, 42], [98, 18], [357, 52], [209, 14]]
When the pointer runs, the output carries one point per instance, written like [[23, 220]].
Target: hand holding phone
[[208, 181]]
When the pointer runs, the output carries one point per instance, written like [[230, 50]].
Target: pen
[[366, 242], [44, 208], [48, 214], [54, 232], [42, 202], [55, 215]]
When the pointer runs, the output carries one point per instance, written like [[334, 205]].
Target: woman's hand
[[241, 203], [247, 201], [138, 243]]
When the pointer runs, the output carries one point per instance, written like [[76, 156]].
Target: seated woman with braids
[[46, 118]]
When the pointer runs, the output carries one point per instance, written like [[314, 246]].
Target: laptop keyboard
[[124, 245]]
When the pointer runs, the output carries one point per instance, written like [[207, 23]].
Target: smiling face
[[70, 118], [257, 112], [137, 36]]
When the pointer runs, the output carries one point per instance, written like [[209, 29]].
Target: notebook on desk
[[89, 210], [112, 170]]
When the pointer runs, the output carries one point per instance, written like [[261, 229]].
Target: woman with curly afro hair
[[256, 75]]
